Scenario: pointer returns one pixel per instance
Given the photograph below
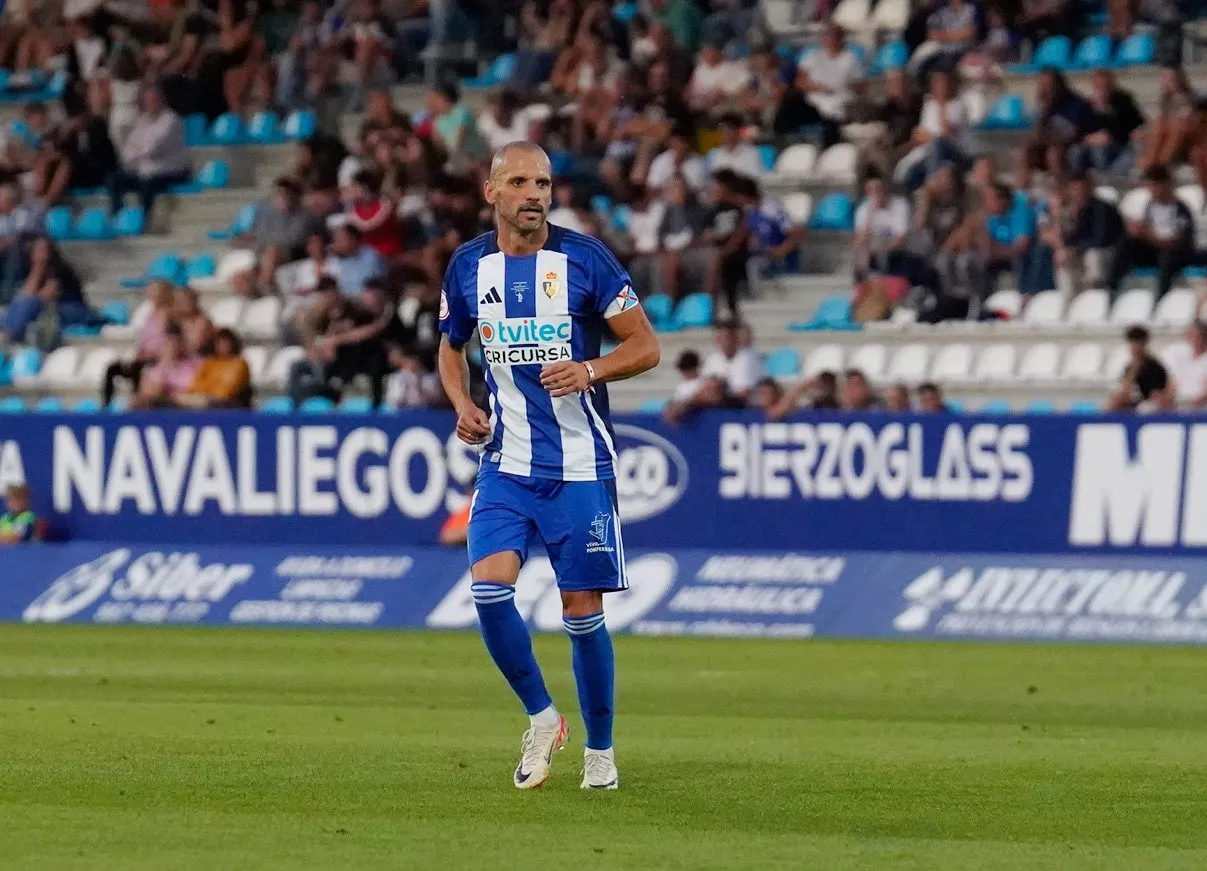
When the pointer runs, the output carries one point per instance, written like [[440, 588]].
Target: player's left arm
[[637, 352]]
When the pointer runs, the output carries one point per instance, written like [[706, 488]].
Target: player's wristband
[[590, 373]]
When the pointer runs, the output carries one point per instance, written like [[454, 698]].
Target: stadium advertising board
[[1004, 484], [673, 592]]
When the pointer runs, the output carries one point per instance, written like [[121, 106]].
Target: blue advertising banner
[[847, 483], [720, 592]]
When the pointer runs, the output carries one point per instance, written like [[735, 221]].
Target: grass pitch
[[135, 748]]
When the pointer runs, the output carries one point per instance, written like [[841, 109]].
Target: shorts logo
[[598, 533], [551, 285]]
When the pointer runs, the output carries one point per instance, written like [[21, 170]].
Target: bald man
[[537, 296]]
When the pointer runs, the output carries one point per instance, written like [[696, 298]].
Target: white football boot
[[536, 753], [599, 770]]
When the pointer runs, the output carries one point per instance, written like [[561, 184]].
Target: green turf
[[133, 749]]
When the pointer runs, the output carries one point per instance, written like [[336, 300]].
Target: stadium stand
[[783, 118]]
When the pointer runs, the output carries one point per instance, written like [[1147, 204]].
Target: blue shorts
[[577, 521]]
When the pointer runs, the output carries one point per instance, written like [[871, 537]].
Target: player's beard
[[521, 222]]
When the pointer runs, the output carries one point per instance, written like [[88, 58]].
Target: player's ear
[[488, 192]]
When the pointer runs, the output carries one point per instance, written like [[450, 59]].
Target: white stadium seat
[[796, 161], [226, 312], [231, 264], [852, 14], [891, 15], [952, 363], [1089, 308], [261, 318], [1116, 362], [1044, 309], [869, 359], [799, 207], [1192, 196], [1134, 203], [823, 358], [257, 359], [127, 332], [1009, 302], [93, 366], [1176, 308], [58, 370], [837, 163], [1133, 307], [278, 369], [1083, 363], [1040, 362], [909, 364], [1107, 193], [1174, 352], [995, 363], [976, 105]]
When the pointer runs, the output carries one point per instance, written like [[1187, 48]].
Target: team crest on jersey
[[552, 284], [443, 305]]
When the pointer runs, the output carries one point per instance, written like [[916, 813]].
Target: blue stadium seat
[[301, 125], [81, 331], [58, 223], [228, 129], [6, 371], [27, 363], [1040, 406], [834, 212], [834, 313], [202, 266], [277, 405], [116, 311], [767, 156], [1052, 52], [954, 406], [783, 363], [166, 267], [1093, 53], [1008, 113], [87, 405], [892, 56], [500, 70], [93, 225], [58, 85], [49, 405], [652, 406], [130, 221], [804, 53], [316, 405], [995, 406], [195, 127], [245, 219], [1137, 50], [858, 49], [355, 405], [658, 308], [265, 129], [601, 204], [215, 174], [625, 12], [1084, 406], [12, 405], [5, 75], [694, 311], [620, 217], [118, 404]]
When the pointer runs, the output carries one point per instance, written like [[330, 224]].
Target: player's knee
[[581, 603], [501, 568]]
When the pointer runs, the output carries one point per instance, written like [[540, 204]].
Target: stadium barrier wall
[[1039, 485], [714, 592]]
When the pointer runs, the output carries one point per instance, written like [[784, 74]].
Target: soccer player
[[538, 296]]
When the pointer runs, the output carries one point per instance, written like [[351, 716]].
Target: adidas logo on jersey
[[491, 296]]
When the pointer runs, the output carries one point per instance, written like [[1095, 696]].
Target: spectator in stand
[[409, 384], [298, 281], [716, 83], [766, 396], [766, 88], [417, 326], [679, 229], [1145, 385], [154, 156], [942, 212], [930, 399], [151, 339], [223, 379], [114, 95], [688, 367], [857, 394], [374, 216], [1163, 238], [369, 42], [1040, 19], [170, 377], [1064, 117], [17, 222], [1007, 242], [683, 18], [679, 159], [19, 524], [896, 399], [86, 146], [951, 31], [820, 393], [1167, 139], [733, 154], [541, 36], [899, 111], [278, 236], [570, 211], [1115, 120], [882, 226], [774, 237], [1188, 369], [352, 263], [454, 125], [828, 82], [940, 136], [726, 238], [51, 298], [1082, 232], [504, 121], [734, 362]]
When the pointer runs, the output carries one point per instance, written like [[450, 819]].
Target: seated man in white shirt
[[827, 82], [154, 156], [679, 158], [733, 154], [1188, 368], [715, 83], [734, 361]]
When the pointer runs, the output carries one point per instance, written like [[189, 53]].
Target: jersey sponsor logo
[[552, 284], [443, 305], [491, 297], [525, 341]]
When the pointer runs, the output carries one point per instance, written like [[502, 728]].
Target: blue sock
[[595, 674], [509, 643]]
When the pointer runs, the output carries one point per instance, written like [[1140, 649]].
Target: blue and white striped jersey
[[529, 312]]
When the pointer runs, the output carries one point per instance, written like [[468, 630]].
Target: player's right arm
[[473, 426]]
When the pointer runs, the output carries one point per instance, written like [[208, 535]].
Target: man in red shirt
[[374, 215]]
